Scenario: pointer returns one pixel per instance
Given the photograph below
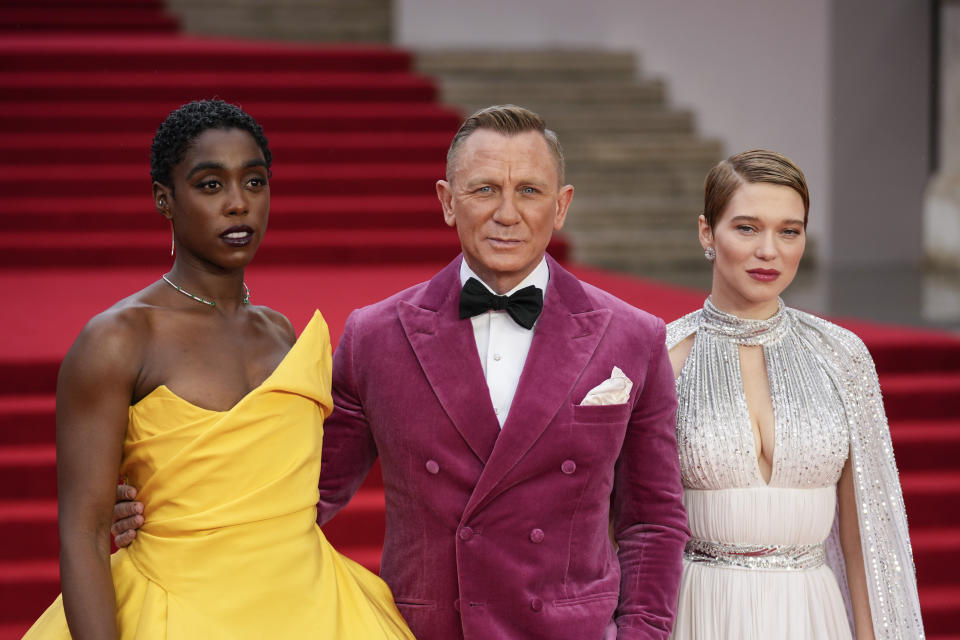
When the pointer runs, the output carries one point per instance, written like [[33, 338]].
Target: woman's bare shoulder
[[276, 322], [113, 341]]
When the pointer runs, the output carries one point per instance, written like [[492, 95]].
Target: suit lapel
[[447, 352], [565, 338]]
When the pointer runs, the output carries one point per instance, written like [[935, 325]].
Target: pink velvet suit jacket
[[496, 535]]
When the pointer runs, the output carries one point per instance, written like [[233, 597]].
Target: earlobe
[[161, 199]]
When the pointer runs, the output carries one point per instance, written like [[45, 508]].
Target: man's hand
[[127, 516]]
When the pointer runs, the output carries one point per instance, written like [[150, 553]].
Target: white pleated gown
[[750, 604]]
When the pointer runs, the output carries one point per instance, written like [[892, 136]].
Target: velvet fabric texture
[[506, 534]]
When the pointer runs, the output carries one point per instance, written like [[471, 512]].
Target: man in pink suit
[[513, 442], [500, 480]]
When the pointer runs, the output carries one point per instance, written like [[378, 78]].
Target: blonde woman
[[792, 493]]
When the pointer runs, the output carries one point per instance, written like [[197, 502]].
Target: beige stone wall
[[942, 205]]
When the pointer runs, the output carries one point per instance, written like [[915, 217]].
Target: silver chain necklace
[[245, 300]]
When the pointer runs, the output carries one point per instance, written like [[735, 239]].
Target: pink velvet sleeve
[[650, 523]]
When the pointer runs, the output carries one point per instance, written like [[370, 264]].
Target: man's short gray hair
[[508, 120]]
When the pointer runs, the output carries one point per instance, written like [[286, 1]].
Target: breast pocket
[[601, 414]]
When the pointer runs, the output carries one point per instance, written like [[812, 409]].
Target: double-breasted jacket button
[[536, 536], [433, 467], [466, 533], [536, 604], [568, 467], [456, 604]]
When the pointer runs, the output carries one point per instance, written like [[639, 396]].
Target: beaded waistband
[[756, 556]]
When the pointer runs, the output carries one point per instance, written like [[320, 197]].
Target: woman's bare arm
[[853, 554], [94, 389]]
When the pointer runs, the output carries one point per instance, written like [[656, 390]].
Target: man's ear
[[445, 194], [564, 198], [161, 199]]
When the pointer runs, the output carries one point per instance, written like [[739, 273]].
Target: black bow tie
[[524, 306]]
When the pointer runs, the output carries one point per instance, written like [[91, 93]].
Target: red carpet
[[358, 141]]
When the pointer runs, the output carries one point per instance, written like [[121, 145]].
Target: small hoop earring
[[710, 254]]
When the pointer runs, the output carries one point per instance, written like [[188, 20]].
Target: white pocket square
[[613, 390]]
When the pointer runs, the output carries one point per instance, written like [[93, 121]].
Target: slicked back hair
[[183, 125], [507, 120], [757, 165]]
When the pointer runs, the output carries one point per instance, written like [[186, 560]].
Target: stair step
[[27, 419], [173, 53], [932, 498], [914, 352], [543, 96], [300, 147], [315, 20], [295, 86], [929, 395], [677, 180], [90, 19], [47, 117], [156, 5], [926, 444], [938, 605], [27, 588], [935, 554], [32, 377], [28, 529], [660, 120], [28, 472], [547, 65]]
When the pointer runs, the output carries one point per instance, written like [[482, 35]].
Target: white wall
[[755, 72]]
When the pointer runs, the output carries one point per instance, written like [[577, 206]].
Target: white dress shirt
[[502, 343]]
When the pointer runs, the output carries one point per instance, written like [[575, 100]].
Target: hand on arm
[[127, 516], [853, 554], [93, 399]]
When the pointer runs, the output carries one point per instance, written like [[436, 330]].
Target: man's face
[[505, 200]]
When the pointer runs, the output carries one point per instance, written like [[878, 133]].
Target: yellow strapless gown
[[231, 548]]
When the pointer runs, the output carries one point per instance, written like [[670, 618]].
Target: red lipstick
[[764, 275]]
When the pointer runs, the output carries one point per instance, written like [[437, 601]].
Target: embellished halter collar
[[744, 331]]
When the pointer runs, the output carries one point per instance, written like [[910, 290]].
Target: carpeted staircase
[[358, 141]]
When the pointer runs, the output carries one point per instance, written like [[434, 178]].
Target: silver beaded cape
[[815, 369]]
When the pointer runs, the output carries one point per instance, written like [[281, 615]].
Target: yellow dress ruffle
[[231, 548]]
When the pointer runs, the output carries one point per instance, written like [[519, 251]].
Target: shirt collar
[[539, 277]]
